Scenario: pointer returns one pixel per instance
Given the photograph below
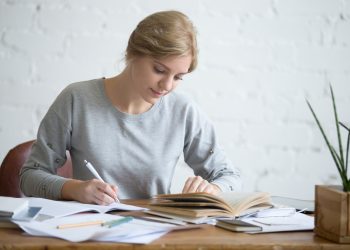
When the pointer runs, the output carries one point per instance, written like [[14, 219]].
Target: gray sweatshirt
[[137, 153]]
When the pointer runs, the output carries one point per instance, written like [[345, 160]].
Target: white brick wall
[[259, 60]]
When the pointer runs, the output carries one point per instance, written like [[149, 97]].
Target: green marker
[[117, 222]]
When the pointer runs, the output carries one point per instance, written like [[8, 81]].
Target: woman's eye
[[158, 70], [177, 78]]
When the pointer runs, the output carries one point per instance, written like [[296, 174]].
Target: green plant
[[340, 160]]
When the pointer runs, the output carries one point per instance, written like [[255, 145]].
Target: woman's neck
[[122, 94]]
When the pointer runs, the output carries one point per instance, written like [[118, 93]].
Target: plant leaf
[[339, 163], [343, 125], [347, 153], [325, 138], [347, 149], [342, 173], [337, 125]]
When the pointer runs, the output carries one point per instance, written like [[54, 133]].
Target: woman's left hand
[[198, 184]]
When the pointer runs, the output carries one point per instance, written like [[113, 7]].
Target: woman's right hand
[[92, 191]]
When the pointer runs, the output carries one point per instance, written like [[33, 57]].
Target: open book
[[53, 208], [227, 204]]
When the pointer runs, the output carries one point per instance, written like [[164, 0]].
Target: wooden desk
[[208, 237]]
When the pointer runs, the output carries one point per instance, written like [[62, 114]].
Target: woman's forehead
[[175, 63]]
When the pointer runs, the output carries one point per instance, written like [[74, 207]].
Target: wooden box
[[332, 213]]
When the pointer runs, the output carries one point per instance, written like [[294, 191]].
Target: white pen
[[94, 172]]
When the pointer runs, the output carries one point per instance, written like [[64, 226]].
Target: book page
[[191, 198], [241, 201], [194, 212]]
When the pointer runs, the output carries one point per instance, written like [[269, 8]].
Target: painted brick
[[96, 48], [237, 6], [35, 45], [342, 34], [10, 66], [13, 16], [237, 55], [18, 94], [309, 7], [294, 186], [283, 30], [310, 162], [69, 21], [323, 58], [278, 135]]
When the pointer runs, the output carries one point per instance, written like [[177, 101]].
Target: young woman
[[132, 127]]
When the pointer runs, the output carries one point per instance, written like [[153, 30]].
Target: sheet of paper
[[10, 206], [55, 209], [139, 239], [276, 212], [27, 214], [136, 231], [299, 204], [295, 222]]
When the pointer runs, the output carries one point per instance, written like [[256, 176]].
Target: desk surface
[[207, 237]]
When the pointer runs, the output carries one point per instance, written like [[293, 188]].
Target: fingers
[[188, 185], [205, 186], [198, 184], [195, 184], [101, 193], [115, 189], [109, 190]]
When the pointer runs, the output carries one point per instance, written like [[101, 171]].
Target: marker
[[94, 172], [117, 222]]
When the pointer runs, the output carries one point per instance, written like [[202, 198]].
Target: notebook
[[237, 225]]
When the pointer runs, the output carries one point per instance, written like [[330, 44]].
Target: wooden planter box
[[332, 213]]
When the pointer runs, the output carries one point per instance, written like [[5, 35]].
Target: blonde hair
[[163, 34]]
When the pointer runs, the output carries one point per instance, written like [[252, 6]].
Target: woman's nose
[[166, 83]]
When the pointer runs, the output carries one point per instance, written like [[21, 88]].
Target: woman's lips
[[156, 93]]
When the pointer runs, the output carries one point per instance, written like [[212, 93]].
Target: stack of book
[[239, 212], [197, 207]]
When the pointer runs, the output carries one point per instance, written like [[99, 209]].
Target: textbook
[[237, 225], [181, 219], [226, 204]]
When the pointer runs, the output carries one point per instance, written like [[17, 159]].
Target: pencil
[[81, 224]]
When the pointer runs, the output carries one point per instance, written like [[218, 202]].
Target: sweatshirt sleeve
[[38, 176], [204, 155]]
